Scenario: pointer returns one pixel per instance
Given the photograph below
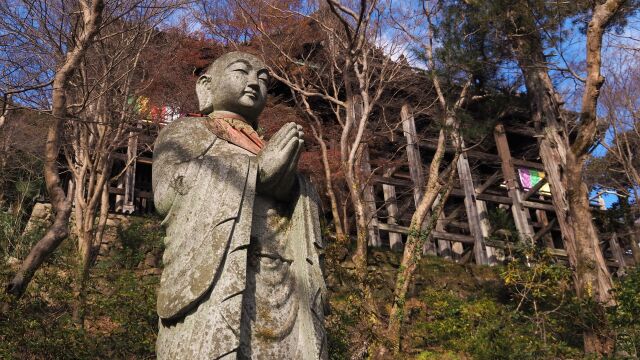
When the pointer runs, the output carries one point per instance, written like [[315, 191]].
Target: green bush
[[121, 319], [140, 237], [482, 328], [625, 317]]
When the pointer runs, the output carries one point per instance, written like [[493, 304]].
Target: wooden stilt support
[[520, 213], [389, 191], [128, 205], [545, 230], [617, 253], [120, 198], [493, 254], [485, 226], [466, 181], [369, 198], [415, 164], [444, 247], [413, 153], [490, 181], [541, 217]]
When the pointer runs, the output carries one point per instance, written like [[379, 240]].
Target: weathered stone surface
[[41, 216], [242, 274]]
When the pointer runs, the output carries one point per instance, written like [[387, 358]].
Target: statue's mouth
[[251, 94]]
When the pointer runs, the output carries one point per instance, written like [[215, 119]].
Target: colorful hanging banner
[[530, 177]]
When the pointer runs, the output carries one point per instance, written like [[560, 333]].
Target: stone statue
[[242, 276]]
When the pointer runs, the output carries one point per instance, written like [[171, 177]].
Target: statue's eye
[[241, 70], [263, 78]]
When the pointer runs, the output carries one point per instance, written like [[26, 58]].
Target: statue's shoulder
[[187, 136], [186, 128]]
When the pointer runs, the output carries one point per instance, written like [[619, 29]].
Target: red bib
[[236, 131]]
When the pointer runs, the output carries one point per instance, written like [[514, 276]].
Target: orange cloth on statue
[[236, 131]]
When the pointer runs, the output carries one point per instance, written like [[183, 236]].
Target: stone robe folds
[[216, 269]]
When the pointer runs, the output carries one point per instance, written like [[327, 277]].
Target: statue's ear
[[205, 93]]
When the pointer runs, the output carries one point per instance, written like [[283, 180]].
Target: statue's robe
[[242, 276]]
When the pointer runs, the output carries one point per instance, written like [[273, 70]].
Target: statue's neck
[[221, 114]]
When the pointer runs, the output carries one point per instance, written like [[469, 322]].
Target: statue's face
[[237, 83]]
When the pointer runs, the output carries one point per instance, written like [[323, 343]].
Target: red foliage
[[172, 64]]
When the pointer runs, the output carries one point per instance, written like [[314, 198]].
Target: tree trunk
[[85, 255], [355, 191], [335, 213], [634, 239], [61, 204], [564, 161], [416, 239]]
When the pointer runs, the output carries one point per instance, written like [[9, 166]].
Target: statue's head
[[236, 82]]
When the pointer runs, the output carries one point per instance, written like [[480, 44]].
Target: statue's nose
[[253, 81]]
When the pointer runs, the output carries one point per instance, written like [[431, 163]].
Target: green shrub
[[625, 317], [121, 319], [139, 238]]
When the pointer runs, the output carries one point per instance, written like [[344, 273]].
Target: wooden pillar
[[128, 205], [541, 217], [457, 249], [634, 240], [444, 247], [466, 181], [617, 253], [395, 239], [485, 227], [391, 203], [120, 198], [520, 213], [493, 254], [413, 153], [369, 198], [415, 164]]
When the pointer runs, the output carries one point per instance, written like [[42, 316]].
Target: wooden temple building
[[500, 195], [133, 192]]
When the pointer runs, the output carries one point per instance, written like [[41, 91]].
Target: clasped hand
[[278, 161]]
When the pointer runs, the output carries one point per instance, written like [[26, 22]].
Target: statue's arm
[[176, 147]]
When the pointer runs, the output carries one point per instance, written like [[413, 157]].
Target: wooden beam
[[436, 234], [485, 226], [504, 200], [537, 205], [473, 154], [490, 181], [561, 253], [520, 214], [128, 204], [138, 193], [544, 230], [527, 163], [466, 181], [415, 164], [394, 228], [413, 152], [616, 251], [395, 239], [387, 180], [543, 221], [465, 239], [480, 155], [454, 213], [534, 189], [444, 247]]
